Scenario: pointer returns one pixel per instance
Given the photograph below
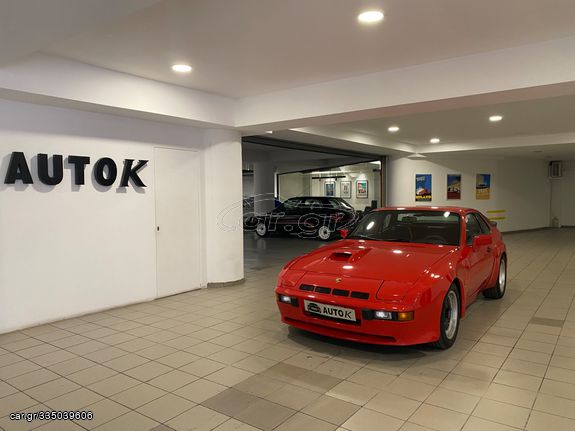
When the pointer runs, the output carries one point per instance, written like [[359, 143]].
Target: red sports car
[[402, 276]]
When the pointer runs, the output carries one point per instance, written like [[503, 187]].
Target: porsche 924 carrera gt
[[403, 276]]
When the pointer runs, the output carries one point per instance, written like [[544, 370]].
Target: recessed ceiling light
[[182, 68], [434, 141], [370, 16], [393, 129], [269, 131], [495, 118]]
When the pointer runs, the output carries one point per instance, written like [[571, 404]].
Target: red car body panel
[[396, 277]]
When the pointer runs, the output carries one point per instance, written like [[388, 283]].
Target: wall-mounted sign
[[330, 189], [105, 170], [483, 186], [453, 186], [361, 189], [345, 189], [422, 187]]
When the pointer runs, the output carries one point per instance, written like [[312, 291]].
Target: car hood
[[376, 260]]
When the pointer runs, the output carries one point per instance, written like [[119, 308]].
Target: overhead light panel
[[370, 16], [434, 141], [495, 118], [393, 129], [182, 68]]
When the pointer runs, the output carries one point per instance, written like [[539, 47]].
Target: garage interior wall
[[298, 184], [68, 250], [520, 188], [562, 195]]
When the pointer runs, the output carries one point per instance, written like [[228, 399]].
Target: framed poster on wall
[[453, 186], [361, 189], [345, 189], [483, 186], [330, 189], [422, 187]]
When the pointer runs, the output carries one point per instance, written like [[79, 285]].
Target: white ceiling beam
[[57, 81], [401, 91]]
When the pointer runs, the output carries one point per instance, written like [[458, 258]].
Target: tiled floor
[[220, 359]]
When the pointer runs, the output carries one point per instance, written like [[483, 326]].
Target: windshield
[[424, 227]]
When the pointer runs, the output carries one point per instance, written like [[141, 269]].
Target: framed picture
[[422, 187], [361, 189], [453, 186], [483, 186], [345, 189], [330, 189]]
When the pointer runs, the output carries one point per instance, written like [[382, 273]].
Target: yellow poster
[[483, 186]]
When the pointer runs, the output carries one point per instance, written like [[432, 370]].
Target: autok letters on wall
[[51, 172]]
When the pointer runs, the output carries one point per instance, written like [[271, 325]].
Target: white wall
[[563, 203], [296, 184], [67, 250], [518, 186]]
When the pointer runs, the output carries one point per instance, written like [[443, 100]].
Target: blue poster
[[422, 187]]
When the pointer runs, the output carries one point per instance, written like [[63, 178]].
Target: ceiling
[[249, 47], [546, 126]]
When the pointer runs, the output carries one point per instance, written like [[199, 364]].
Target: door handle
[[489, 249]]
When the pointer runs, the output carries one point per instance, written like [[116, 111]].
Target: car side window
[[472, 228], [485, 229]]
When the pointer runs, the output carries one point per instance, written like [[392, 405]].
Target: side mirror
[[493, 223], [344, 233], [481, 240]]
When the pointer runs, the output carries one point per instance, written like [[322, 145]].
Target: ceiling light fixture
[[434, 141], [495, 118], [393, 129], [182, 68], [370, 16]]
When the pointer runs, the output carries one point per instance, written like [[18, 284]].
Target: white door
[[178, 223]]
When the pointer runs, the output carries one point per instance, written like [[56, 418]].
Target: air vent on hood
[[341, 255]]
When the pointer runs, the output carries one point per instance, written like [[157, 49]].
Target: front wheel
[[449, 319], [497, 291]]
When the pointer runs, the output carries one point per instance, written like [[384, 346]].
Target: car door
[[286, 216], [478, 261]]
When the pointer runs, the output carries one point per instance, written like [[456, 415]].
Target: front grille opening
[[340, 292], [306, 287], [325, 290], [360, 295]]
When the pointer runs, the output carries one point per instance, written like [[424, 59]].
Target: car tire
[[324, 233], [261, 230], [497, 291], [449, 319]]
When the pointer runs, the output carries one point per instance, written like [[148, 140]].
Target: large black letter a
[[18, 169]]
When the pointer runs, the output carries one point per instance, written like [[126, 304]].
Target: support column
[[223, 197], [264, 177]]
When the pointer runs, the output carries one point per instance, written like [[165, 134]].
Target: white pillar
[[264, 179], [223, 202]]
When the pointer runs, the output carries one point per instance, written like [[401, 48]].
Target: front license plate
[[329, 310]]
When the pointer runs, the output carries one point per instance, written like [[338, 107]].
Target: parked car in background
[[402, 276], [307, 216]]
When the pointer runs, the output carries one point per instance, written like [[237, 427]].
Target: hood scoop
[[342, 256], [348, 255]]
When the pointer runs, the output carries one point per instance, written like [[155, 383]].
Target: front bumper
[[424, 327]]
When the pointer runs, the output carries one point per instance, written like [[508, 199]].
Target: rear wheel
[[324, 233], [497, 291], [261, 229], [449, 319]]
